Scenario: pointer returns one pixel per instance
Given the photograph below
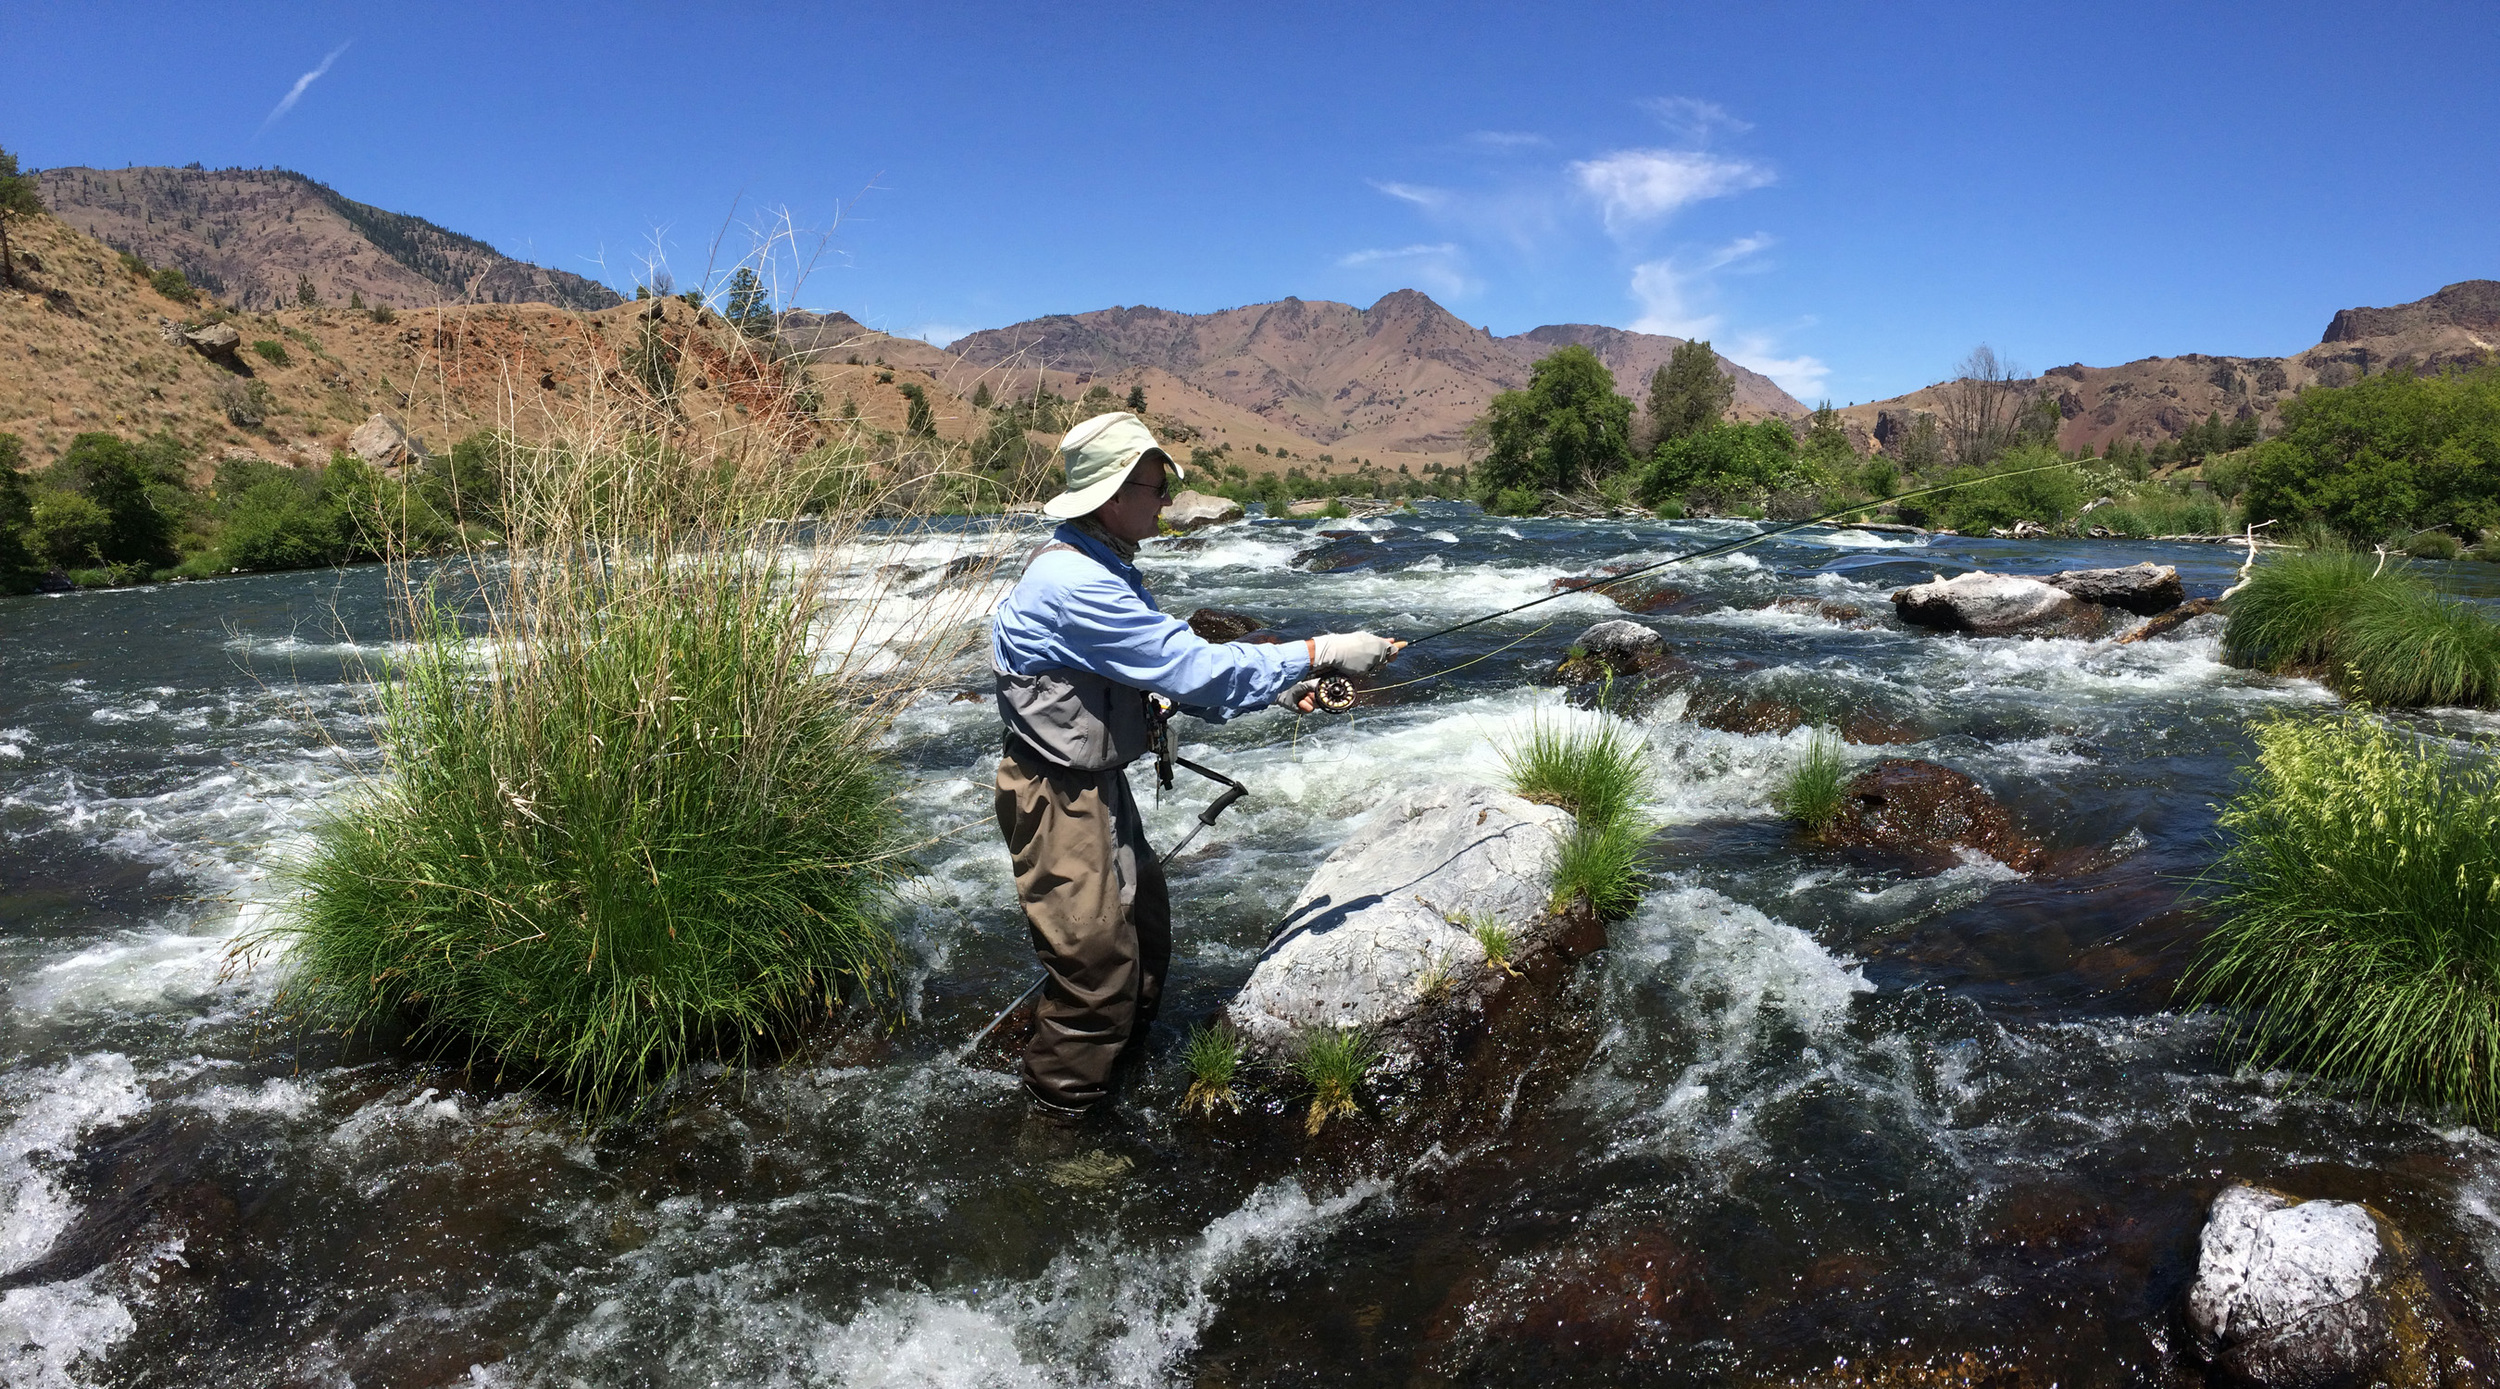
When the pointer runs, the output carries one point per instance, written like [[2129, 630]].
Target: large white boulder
[[1993, 605], [382, 442], [1374, 921], [2290, 1293], [1187, 511]]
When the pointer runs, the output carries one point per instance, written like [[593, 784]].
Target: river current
[[1824, 1123]]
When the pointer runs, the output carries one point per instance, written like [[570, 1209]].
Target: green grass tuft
[[1815, 788], [2382, 636], [1497, 940], [1603, 862], [1333, 1062], [2359, 897], [1597, 773], [1213, 1055]]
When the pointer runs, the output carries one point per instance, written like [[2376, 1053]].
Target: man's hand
[[1351, 653], [1302, 696]]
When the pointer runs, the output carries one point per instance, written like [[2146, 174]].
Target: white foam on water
[[1854, 539], [53, 1334], [50, 1108]]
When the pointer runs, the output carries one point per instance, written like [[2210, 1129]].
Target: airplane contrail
[[295, 93]]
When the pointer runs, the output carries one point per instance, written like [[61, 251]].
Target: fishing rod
[[1336, 693]]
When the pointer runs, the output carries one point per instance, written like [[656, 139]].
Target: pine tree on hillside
[[750, 309], [1137, 400], [306, 297], [20, 198], [1689, 394], [981, 396]]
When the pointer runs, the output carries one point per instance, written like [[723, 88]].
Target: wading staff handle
[[1217, 806]]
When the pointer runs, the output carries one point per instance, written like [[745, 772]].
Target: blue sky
[[1849, 197]]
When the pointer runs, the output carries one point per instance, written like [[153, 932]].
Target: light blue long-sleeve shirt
[[1085, 609]]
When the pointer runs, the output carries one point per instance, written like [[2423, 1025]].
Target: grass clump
[[1333, 1062], [1213, 1055], [2359, 897], [1597, 772], [1496, 939], [2381, 635], [273, 352], [1814, 790]]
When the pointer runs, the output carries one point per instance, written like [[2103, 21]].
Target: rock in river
[[2142, 589], [1614, 648], [2291, 1292], [1225, 624], [1996, 605], [1188, 511], [1921, 812], [1370, 926]]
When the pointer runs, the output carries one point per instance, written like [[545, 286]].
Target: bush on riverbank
[[2385, 456], [631, 812], [2381, 635], [2359, 899]]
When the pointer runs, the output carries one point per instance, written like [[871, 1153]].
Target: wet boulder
[[1614, 649], [1996, 605], [1377, 925], [1224, 624], [1188, 511], [2292, 1293], [2142, 589], [1924, 814]]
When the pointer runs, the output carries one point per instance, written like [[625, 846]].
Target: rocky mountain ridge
[[251, 236]]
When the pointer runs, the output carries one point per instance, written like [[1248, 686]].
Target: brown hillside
[[90, 346], [1402, 377], [249, 235], [2159, 398]]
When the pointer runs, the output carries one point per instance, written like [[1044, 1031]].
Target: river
[[1823, 1123]]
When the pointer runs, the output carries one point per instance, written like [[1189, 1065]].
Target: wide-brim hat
[[1099, 455]]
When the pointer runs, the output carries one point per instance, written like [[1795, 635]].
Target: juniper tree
[[20, 199], [1689, 394], [750, 308]]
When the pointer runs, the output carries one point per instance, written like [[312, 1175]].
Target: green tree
[[981, 396], [21, 198], [68, 530], [16, 509], [2388, 453], [174, 285], [1137, 400], [750, 308], [139, 489], [1567, 430], [918, 418], [356, 299], [306, 296], [1742, 464], [1689, 394]]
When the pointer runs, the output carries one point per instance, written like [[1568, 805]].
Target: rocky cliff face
[[249, 236], [1404, 375], [2472, 305]]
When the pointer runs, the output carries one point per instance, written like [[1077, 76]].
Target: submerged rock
[[1996, 605], [2173, 620], [1372, 933], [2142, 589], [1921, 812], [1224, 624], [1188, 511], [2291, 1292]]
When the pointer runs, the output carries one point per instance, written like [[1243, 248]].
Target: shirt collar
[[1068, 534]]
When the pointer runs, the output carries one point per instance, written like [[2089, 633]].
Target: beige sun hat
[[1099, 455]]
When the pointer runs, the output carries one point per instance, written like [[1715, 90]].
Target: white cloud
[[1673, 294], [1800, 376], [1694, 119], [1635, 188], [1415, 193], [1438, 269], [296, 93]]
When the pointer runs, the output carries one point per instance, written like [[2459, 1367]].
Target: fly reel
[[1334, 694]]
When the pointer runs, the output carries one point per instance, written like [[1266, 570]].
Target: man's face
[[1134, 511]]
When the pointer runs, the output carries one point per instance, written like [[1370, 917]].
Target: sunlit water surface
[[1825, 1116]]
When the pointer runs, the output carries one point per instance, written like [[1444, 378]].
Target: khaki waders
[[1095, 901]]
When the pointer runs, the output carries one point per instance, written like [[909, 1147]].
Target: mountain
[[2157, 398], [1403, 376], [249, 236]]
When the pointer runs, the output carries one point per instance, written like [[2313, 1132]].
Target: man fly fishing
[[1078, 647]]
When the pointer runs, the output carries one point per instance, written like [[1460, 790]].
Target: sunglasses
[[1163, 489]]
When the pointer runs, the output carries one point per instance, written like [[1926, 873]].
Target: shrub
[[632, 810], [1814, 790], [1213, 1055], [67, 529], [1517, 501], [279, 523], [1992, 498], [2359, 905], [272, 352], [1333, 1063], [140, 487], [2388, 452], [382, 314], [174, 285], [2435, 545]]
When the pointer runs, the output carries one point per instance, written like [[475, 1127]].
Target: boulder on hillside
[[217, 340], [1370, 929], [2292, 1293], [1189, 511], [382, 442], [1923, 813], [2142, 589], [1996, 605]]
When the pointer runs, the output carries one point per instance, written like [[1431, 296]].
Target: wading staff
[[1165, 760], [1336, 693]]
